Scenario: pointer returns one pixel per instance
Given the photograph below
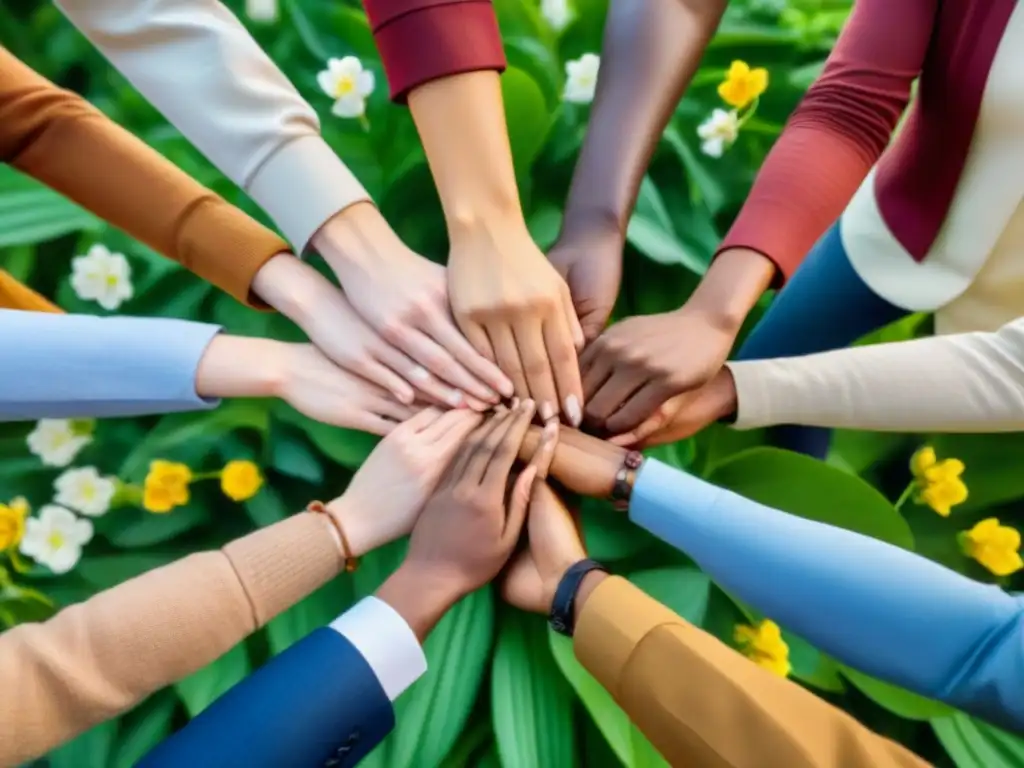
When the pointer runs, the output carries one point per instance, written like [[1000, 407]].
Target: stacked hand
[[516, 310]]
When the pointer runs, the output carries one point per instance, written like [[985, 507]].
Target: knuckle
[[536, 368], [392, 331]]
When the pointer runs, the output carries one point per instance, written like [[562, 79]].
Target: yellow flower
[[12, 523], [763, 645], [938, 482], [742, 84], [240, 480], [995, 546], [166, 486]]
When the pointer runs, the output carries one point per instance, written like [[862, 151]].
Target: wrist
[[357, 238], [470, 223], [421, 596], [730, 288], [588, 224], [361, 531], [292, 287], [724, 399], [238, 366]]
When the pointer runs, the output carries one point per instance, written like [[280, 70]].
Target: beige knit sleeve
[[94, 660], [971, 382]]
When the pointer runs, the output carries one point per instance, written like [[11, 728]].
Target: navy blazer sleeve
[[316, 704]]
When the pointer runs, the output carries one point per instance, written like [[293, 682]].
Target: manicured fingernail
[[550, 431], [419, 373], [477, 405], [526, 405], [573, 411], [515, 402], [454, 398], [546, 411], [507, 389]]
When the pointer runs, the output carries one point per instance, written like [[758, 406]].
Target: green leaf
[[143, 729], [200, 689], [527, 116], [992, 477], [683, 590], [110, 570], [531, 702], [345, 446], [975, 744], [431, 715], [317, 610], [90, 750], [291, 455], [608, 534], [146, 528], [898, 700], [266, 507], [650, 231], [30, 213], [809, 488]]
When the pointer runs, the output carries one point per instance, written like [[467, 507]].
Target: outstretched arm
[[650, 52]]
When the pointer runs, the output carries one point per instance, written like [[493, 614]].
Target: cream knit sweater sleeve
[[971, 382], [94, 660]]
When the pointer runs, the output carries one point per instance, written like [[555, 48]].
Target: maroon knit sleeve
[[424, 40], [837, 133]]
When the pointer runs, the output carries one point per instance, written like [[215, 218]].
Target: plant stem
[[205, 475], [905, 495]]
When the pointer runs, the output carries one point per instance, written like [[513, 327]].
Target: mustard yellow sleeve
[[702, 704]]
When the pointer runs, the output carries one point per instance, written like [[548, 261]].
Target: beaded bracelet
[[351, 562]]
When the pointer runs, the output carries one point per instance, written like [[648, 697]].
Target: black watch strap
[[562, 617]]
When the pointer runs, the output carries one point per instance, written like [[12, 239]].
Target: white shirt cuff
[[387, 643]]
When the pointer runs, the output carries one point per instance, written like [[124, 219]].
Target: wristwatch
[[563, 608], [624, 480]]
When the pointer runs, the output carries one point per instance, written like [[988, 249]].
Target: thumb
[[522, 491]]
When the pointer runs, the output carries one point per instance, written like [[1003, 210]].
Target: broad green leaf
[[140, 528], [291, 455], [527, 116], [650, 231], [531, 702], [266, 507], [991, 479], [143, 729], [200, 689], [110, 570], [608, 534], [345, 446], [683, 590], [317, 610], [30, 213], [975, 744], [803, 486], [896, 699], [90, 750]]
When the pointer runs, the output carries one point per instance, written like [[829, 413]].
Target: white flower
[[556, 13], [102, 276], [55, 442], [55, 538], [719, 132], [85, 491], [581, 78], [261, 10], [348, 84]]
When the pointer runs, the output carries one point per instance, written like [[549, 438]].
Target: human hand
[[591, 263], [404, 297], [582, 463], [515, 309], [470, 526], [685, 414], [555, 545], [639, 363], [301, 375], [388, 491], [320, 309]]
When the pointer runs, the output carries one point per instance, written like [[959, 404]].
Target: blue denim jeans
[[824, 306]]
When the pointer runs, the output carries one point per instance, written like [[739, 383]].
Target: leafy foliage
[[523, 712]]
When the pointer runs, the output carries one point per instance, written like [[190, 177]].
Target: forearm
[[627, 641], [82, 366], [56, 137], [200, 67], [650, 52], [962, 383], [835, 589], [99, 658], [461, 123]]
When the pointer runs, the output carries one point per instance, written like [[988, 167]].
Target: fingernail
[[515, 402], [507, 389], [477, 405], [550, 431], [573, 410], [546, 411], [419, 373], [526, 405], [454, 398]]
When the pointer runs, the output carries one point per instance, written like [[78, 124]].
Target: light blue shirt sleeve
[[77, 366], [883, 610]]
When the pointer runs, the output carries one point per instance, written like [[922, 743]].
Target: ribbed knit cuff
[[226, 247], [435, 41], [302, 185], [284, 563], [753, 394]]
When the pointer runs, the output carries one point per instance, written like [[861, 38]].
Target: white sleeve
[[971, 382], [196, 63], [387, 643]]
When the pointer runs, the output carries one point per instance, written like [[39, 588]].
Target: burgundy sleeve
[[424, 40], [837, 133]]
